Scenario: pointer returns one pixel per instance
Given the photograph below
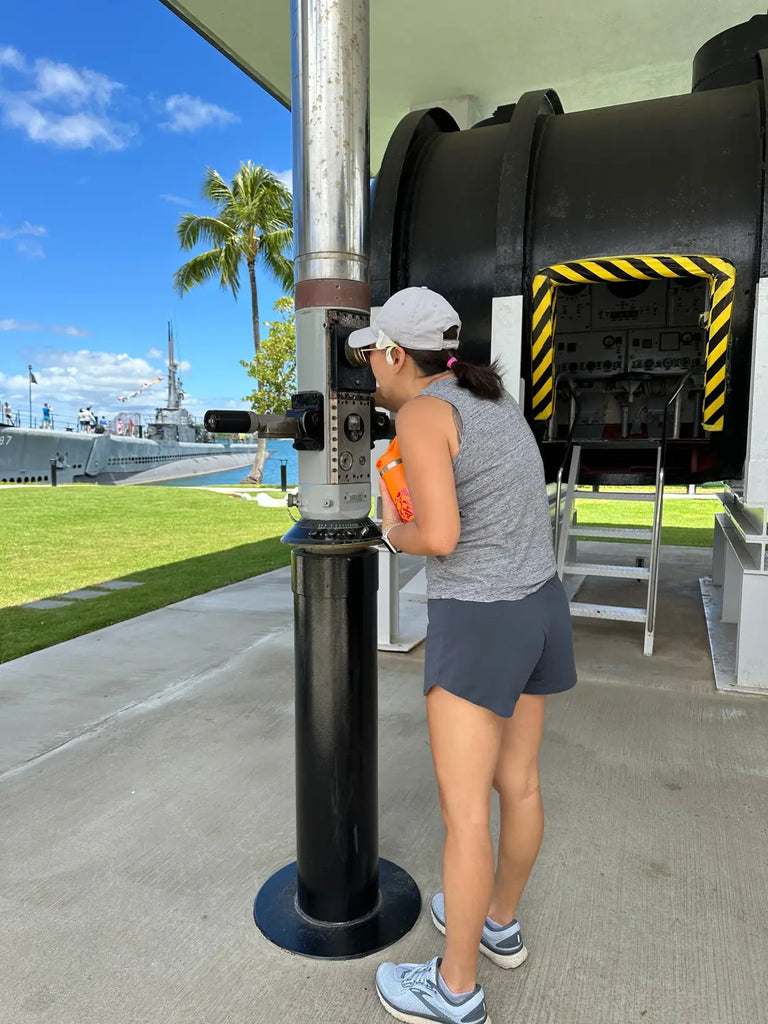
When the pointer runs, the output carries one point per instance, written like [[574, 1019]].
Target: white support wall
[[736, 597], [507, 342], [756, 465]]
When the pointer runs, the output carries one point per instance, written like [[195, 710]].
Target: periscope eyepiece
[[354, 356]]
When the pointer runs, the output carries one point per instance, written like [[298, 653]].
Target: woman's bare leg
[[465, 742], [516, 778]]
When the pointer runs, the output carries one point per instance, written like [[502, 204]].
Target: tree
[[274, 366], [252, 221]]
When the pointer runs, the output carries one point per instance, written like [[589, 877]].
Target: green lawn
[[177, 541], [688, 521]]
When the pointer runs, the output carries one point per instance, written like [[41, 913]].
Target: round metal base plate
[[276, 913]]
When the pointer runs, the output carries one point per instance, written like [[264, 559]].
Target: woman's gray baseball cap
[[414, 318]]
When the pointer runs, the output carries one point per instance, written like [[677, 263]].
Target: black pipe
[[283, 476], [336, 733], [338, 899], [54, 471]]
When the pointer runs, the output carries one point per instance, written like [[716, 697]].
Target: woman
[[498, 639]]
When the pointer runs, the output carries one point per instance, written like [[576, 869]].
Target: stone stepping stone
[[119, 585], [47, 603], [99, 590]]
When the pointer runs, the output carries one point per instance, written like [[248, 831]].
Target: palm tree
[[252, 220]]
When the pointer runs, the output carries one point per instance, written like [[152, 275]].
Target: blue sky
[[109, 114]]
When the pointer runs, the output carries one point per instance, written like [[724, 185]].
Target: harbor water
[[278, 450]]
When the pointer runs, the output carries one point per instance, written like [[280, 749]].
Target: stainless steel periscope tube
[[330, 151]]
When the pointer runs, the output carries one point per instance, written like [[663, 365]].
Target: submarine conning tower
[[634, 236]]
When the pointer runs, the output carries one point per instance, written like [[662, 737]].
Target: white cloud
[[24, 229], [61, 105], [75, 332], [154, 353], [189, 113], [11, 58], [76, 88], [69, 329], [17, 325], [67, 131], [21, 239], [30, 250], [176, 200], [286, 177], [70, 379]]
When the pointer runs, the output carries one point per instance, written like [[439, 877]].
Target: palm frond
[[201, 268], [254, 218], [263, 199], [192, 229], [229, 267], [280, 240], [274, 250], [216, 190]]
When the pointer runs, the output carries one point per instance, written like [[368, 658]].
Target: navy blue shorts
[[490, 653]]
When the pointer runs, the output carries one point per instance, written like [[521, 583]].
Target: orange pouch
[[390, 467]]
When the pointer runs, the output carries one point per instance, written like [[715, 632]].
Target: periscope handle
[[241, 421], [229, 421]]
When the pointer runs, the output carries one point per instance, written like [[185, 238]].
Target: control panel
[[349, 437], [648, 327], [665, 351], [623, 346], [589, 355]]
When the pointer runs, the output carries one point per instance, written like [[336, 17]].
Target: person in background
[[130, 428], [46, 416], [498, 636], [8, 415]]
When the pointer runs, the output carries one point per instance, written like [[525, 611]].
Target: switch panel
[[649, 327], [350, 446]]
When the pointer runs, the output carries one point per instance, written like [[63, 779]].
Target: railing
[[658, 505], [575, 406]]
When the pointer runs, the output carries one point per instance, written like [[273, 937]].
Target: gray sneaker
[[411, 993], [504, 946]]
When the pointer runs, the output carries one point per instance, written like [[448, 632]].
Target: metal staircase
[[566, 527]]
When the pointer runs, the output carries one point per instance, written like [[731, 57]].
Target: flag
[[32, 377], [144, 386]]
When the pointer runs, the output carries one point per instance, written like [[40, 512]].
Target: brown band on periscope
[[332, 292]]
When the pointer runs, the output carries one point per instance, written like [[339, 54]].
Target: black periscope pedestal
[[338, 900]]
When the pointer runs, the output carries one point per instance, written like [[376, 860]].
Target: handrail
[[568, 448], [658, 505]]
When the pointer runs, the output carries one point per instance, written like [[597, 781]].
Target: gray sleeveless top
[[505, 548]]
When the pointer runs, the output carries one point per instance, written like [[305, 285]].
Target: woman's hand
[[389, 513]]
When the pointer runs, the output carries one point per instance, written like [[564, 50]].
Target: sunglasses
[[362, 356], [364, 353]]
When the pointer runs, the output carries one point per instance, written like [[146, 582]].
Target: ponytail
[[481, 381]]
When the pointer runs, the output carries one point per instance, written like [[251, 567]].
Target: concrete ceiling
[[473, 56]]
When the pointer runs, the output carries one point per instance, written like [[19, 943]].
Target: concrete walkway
[[146, 791]]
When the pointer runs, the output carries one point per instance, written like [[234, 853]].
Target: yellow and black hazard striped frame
[[722, 277]]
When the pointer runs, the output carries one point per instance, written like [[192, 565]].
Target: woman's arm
[[424, 432]]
